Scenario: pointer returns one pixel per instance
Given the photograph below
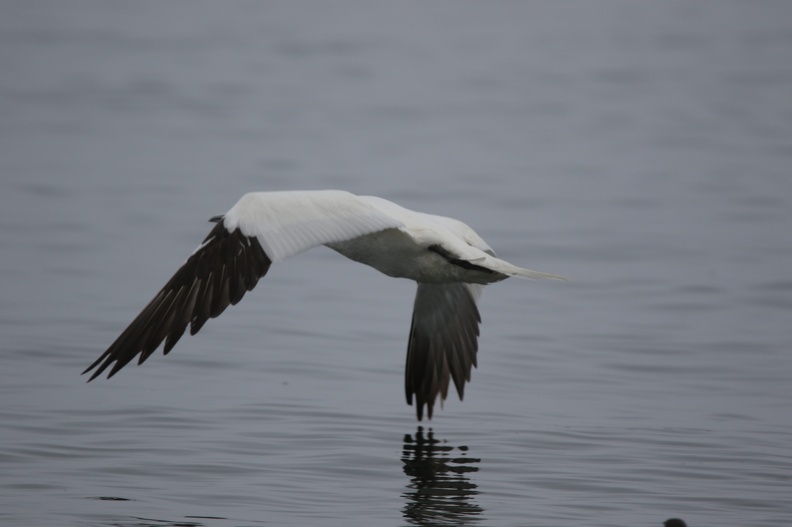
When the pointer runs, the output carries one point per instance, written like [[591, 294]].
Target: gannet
[[447, 259]]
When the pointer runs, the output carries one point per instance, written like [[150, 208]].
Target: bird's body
[[448, 260]]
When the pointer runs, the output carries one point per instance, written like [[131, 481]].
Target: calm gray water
[[642, 148]]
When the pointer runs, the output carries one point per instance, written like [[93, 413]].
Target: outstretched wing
[[218, 274], [262, 228], [289, 222], [443, 342]]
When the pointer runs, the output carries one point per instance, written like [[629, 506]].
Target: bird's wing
[[262, 228], [443, 342], [289, 222]]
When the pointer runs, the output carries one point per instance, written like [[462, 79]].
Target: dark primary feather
[[218, 274], [442, 345]]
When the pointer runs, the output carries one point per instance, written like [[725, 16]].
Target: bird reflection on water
[[439, 492]]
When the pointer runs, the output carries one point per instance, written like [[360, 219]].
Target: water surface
[[643, 149]]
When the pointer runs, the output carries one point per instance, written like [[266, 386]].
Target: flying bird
[[448, 260]]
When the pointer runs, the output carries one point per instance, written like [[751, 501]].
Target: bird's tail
[[502, 266], [535, 275]]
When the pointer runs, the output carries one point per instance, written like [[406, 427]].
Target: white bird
[[447, 258]]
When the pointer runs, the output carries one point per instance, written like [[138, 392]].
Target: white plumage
[[448, 260]]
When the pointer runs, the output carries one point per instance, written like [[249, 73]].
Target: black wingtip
[[216, 219], [435, 357], [96, 370], [193, 295], [92, 377], [91, 367]]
